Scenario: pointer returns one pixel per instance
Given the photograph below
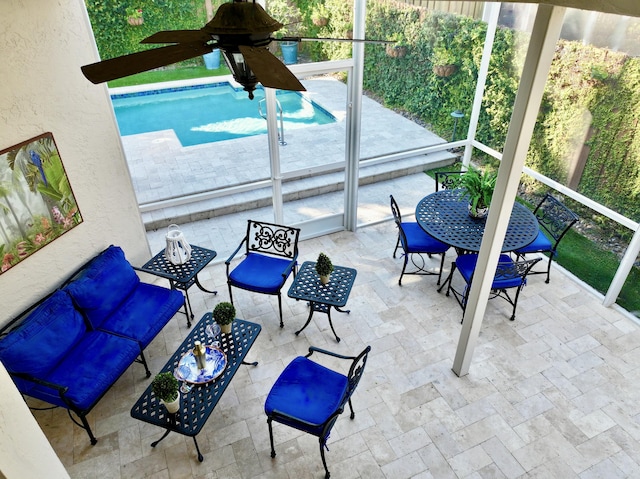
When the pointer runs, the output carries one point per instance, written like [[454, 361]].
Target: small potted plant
[[224, 313], [324, 267], [478, 187], [134, 16], [166, 388]]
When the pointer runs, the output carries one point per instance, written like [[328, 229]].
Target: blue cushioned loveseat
[[73, 345]]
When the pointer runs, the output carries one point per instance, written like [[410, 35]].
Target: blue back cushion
[[43, 339], [103, 285]]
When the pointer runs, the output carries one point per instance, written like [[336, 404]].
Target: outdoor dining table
[[445, 216]]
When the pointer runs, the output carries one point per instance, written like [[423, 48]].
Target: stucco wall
[[43, 43], [42, 46]]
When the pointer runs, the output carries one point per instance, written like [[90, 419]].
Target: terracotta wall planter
[[320, 21], [396, 51], [444, 70], [135, 21]]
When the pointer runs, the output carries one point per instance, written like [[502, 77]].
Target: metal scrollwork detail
[[279, 240]]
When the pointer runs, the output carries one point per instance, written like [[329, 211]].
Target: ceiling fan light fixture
[[241, 71]]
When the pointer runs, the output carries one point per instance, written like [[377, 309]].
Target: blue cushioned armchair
[[271, 253], [415, 242], [309, 396], [554, 219], [509, 275]]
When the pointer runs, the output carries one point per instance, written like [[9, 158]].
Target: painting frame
[[37, 204]]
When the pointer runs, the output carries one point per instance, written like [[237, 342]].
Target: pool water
[[209, 113]]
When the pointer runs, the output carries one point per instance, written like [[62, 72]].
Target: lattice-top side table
[[182, 276], [322, 297]]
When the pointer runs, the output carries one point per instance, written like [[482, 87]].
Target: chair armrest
[[313, 349], [228, 261], [292, 265], [27, 377], [160, 274]]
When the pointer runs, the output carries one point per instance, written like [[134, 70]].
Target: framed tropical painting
[[36, 202]]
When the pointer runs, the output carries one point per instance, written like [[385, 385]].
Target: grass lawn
[[589, 262], [169, 74]]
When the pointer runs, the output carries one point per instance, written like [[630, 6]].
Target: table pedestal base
[[322, 308]]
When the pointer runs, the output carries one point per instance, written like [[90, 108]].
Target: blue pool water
[[209, 113]]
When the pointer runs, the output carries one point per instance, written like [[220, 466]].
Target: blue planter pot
[[289, 52], [212, 60]]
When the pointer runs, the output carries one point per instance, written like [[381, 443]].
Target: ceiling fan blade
[[326, 39], [270, 71], [142, 61], [178, 36]]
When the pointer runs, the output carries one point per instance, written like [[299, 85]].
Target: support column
[[274, 155], [545, 34], [353, 120]]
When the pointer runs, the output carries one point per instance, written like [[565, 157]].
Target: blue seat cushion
[[43, 339], [307, 391], [89, 369], [420, 241], [260, 273], [541, 243], [103, 284], [144, 313], [466, 264]]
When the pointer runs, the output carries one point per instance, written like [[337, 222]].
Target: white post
[[274, 154], [546, 31], [491, 13], [353, 120]]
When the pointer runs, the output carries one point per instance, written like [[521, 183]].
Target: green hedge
[[587, 86], [114, 36]]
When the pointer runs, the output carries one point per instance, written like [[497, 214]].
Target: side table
[[182, 276], [197, 405], [322, 297]]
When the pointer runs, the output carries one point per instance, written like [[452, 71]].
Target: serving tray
[[188, 370]]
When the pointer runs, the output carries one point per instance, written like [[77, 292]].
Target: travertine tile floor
[[553, 394]]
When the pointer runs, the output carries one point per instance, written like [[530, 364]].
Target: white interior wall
[[42, 46], [43, 43]]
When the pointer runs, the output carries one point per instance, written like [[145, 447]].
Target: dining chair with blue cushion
[[415, 242], [509, 274], [554, 220], [310, 397], [271, 253]]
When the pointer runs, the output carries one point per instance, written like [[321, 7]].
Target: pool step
[[301, 187]]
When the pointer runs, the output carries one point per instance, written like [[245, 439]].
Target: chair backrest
[[554, 217], [356, 370], [395, 210], [514, 269], [272, 239], [447, 180], [398, 219]]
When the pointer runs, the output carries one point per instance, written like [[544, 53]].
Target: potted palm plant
[[324, 267], [224, 313], [166, 388], [478, 186]]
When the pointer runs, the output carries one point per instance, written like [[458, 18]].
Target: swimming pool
[[209, 113]]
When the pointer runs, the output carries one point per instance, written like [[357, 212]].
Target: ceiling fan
[[241, 29]]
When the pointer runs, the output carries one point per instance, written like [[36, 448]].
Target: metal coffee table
[[322, 297], [197, 405]]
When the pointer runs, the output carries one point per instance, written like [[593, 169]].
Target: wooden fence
[[470, 9]]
